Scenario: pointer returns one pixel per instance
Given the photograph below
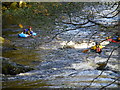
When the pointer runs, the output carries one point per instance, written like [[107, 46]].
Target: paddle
[[109, 37], [34, 36], [85, 51], [20, 25]]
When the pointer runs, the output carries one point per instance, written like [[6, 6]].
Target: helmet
[[97, 43], [29, 27]]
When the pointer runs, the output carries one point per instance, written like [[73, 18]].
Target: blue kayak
[[26, 35]]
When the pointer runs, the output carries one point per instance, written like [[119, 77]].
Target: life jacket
[[25, 31], [98, 49], [31, 32], [95, 47]]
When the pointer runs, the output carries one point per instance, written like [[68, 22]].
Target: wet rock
[[3, 58], [101, 65], [68, 47], [8, 48], [11, 68], [6, 45], [2, 40]]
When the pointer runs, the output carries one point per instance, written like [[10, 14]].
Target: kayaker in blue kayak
[[28, 31]]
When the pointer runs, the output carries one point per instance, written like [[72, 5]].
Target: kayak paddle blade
[[20, 25], [85, 51]]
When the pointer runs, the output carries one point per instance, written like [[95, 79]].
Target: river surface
[[60, 63]]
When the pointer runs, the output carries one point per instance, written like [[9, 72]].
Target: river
[[60, 63], [57, 67]]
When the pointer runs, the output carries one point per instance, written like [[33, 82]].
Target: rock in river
[[11, 68]]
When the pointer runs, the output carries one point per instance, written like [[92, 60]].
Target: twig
[[109, 84], [72, 37], [66, 31], [102, 70], [90, 38]]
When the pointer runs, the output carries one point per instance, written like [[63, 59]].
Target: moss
[[2, 40]]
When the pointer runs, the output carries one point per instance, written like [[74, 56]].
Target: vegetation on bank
[[38, 11]]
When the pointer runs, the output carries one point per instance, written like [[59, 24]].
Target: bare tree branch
[[75, 24], [112, 11], [66, 31], [102, 70], [111, 16], [106, 15], [90, 38], [72, 37], [109, 84], [102, 25]]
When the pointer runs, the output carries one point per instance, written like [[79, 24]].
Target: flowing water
[[60, 63]]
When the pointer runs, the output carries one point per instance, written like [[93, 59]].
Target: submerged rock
[[101, 65], [68, 47], [11, 68]]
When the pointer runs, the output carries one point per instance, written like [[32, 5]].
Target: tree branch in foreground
[[109, 84], [102, 70]]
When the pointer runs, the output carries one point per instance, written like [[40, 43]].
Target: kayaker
[[116, 38], [97, 48], [113, 39], [28, 31], [25, 31]]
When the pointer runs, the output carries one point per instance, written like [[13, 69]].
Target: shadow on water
[[23, 56]]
